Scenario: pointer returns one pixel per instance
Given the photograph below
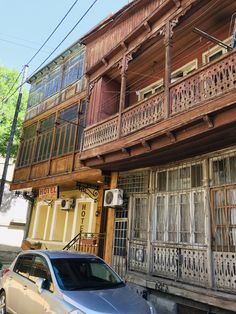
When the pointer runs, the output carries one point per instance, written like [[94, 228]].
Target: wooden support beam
[[125, 151], [177, 3], [124, 46], [147, 26], [171, 136], [101, 157], [104, 61], [208, 121], [146, 144], [82, 162]]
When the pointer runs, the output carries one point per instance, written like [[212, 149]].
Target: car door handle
[[25, 287]]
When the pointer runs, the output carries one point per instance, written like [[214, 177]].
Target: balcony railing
[[212, 80], [142, 115], [207, 83], [133, 119], [102, 133]]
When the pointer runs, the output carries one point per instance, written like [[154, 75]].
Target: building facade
[[155, 117], [161, 119], [64, 194]]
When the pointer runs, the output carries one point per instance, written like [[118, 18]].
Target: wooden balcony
[[202, 101], [133, 119], [209, 82]]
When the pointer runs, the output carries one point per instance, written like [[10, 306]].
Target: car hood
[[118, 300]]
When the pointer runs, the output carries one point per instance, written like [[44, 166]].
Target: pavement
[[8, 254]]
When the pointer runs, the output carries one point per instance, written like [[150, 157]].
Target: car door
[[39, 301], [16, 284]]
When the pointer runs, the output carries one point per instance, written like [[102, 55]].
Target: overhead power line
[[82, 17], [86, 12], [37, 52], [55, 29]]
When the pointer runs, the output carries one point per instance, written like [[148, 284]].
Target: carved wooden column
[[34, 149], [168, 48], [52, 144], [123, 64]]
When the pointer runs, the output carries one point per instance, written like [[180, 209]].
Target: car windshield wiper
[[96, 287], [78, 288]]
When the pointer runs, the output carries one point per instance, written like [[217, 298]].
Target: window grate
[[137, 182]]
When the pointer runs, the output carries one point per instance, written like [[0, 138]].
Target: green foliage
[[7, 110]]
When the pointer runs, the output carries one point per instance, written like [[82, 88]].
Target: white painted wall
[[13, 209]]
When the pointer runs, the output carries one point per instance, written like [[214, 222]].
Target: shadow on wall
[[8, 199]]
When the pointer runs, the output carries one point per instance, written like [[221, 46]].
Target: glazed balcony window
[[74, 68], [27, 145], [179, 201], [44, 139], [55, 80], [53, 83]]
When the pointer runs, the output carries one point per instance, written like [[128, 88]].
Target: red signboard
[[48, 193]]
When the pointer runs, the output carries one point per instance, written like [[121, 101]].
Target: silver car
[[59, 282]]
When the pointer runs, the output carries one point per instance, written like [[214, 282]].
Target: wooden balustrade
[[207, 83], [142, 115], [101, 133], [211, 81]]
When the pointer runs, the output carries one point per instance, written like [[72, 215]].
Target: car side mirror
[[40, 284]]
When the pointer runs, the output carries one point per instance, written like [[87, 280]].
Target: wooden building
[[64, 194], [161, 118]]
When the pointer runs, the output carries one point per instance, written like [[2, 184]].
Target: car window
[[84, 273], [40, 269], [23, 265]]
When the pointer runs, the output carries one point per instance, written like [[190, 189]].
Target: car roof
[[52, 254]]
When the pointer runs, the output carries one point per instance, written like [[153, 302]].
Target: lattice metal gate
[[119, 260]]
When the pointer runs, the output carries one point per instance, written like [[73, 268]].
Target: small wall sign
[[48, 193]]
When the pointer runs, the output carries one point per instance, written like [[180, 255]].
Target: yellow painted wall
[[71, 214], [49, 222], [60, 224], [31, 224], [41, 222], [86, 211]]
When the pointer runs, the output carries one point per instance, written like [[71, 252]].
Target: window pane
[[219, 171], [231, 196], [232, 164], [140, 219], [45, 139], [172, 218], [160, 219], [25, 265], [73, 69], [199, 217], [196, 175], [185, 182], [184, 218], [173, 180], [161, 181]]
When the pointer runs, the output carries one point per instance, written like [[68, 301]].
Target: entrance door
[[119, 260], [224, 236]]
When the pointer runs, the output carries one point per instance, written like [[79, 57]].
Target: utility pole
[[13, 129]]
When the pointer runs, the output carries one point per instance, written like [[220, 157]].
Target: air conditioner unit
[[113, 198], [67, 204]]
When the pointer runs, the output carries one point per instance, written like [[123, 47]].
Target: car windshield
[[84, 273]]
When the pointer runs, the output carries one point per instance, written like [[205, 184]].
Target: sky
[[26, 24]]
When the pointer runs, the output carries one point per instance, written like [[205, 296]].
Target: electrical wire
[[86, 12], [37, 52], [12, 86], [55, 29]]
